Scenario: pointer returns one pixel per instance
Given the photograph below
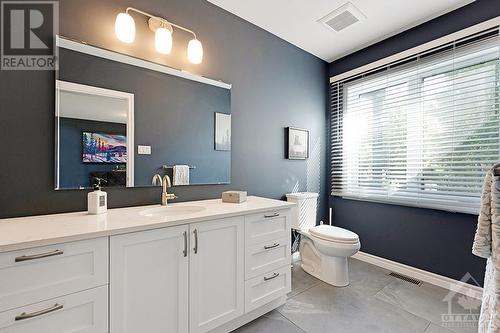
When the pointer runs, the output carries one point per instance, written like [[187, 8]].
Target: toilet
[[324, 248]]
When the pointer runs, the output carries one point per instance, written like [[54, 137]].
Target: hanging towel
[[181, 175], [487, 245]]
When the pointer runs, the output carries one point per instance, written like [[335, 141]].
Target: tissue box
[[234, 196]]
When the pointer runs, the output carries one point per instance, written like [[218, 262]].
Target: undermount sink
[[171, 211]]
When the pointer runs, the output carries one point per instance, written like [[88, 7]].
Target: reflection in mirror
[[95, 129], [121, 120]]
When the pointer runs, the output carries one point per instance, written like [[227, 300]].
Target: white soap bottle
[[97, 201]]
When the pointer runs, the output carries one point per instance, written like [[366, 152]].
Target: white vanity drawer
[[263, 257], [83, 312], [267, 287], [263, 227], [37, 274]]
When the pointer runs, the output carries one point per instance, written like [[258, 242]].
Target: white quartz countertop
[[25, 232]]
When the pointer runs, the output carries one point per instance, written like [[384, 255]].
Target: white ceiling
[[92, 107], [296, 21]]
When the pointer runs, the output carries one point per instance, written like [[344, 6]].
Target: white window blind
[[420, 132]]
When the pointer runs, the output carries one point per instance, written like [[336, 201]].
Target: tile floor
[[373, 302]]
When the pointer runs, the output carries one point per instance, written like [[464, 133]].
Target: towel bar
[[171, 167]]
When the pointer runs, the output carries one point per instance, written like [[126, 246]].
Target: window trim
[[436, 43]]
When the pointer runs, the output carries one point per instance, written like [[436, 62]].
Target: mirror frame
[[83, 47]]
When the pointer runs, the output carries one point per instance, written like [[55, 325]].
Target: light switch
[[144, 150]]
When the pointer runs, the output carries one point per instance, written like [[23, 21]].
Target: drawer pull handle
[[271, 215], [195, 249], [39, 256], [267, 247], [275, 275], [185, 251], [25, 315]]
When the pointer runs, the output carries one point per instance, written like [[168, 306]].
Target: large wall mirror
[[121, 120]]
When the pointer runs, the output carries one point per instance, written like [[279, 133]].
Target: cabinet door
[[149, 281], [216, 273]]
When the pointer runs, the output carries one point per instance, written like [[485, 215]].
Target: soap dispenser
[[97, 201]]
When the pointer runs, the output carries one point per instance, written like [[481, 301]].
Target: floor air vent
[[406, 278]]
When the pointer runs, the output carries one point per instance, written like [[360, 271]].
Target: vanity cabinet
[[267, 287], [267, 226], [37, 274], [81, 312], [149, 281], [267, 257], [156, 274], [216, 273], [60, 288], [213, 273]]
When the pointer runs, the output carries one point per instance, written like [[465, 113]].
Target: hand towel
[[181, 174]]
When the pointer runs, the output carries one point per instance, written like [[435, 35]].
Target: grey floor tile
[[367, 279], [301, 281], [272, 322], [426, 301], [373, 302], [324, 308], [433, 328]]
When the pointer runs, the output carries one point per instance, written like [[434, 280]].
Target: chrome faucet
[[165, 183]]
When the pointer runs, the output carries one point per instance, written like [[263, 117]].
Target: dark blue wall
[[275, 85], [73, 173], [436, 241]]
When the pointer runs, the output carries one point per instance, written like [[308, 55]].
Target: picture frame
[[104, 148], [222, 132], [297, 143]]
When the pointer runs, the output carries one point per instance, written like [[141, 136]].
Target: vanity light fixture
[[125, 28], [195, 51], [163, 29], [163, 40]]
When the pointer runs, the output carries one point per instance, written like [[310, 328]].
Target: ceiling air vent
[[342, 17]]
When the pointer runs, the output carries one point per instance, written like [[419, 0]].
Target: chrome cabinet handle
[[185, 251], [267, 247], [39, 256], [275, 275], [25, 315], [195, 249], [271, 215]]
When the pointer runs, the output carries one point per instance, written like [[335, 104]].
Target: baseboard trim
[[425, 276]]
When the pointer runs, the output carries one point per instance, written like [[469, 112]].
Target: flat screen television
[[104, 148]]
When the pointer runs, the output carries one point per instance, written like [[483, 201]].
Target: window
[[421, 132]]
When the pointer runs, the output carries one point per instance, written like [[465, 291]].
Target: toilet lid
[[331, 233]]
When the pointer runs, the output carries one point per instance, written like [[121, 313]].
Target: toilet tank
[[304, 213]]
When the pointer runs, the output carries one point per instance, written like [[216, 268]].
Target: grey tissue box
[[234, 196]]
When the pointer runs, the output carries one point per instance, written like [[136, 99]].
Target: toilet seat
[[334, 234]]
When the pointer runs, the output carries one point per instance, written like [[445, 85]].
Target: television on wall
[[104, 148]]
